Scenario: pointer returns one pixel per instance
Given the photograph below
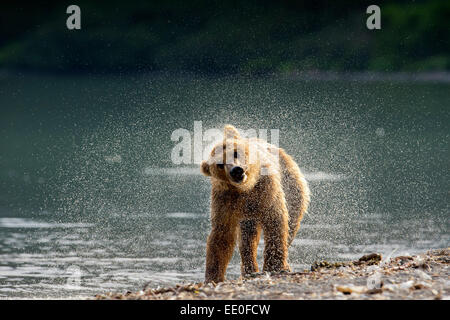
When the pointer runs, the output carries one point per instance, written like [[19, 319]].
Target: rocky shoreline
[[423, 276]]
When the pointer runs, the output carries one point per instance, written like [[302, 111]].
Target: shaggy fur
[[272, 197]]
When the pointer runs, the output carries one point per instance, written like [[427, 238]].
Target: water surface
[[91, 202]]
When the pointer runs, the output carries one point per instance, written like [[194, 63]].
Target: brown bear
[[255, 186]]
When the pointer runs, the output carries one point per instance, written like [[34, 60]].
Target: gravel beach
[[423, 276]]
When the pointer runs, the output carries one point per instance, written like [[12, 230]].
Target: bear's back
[[296, 191]]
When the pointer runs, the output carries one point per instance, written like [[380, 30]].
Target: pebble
[[397, 281]]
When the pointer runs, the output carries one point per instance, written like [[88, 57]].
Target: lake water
[[90, 200]]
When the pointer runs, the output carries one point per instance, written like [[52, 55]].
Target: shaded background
[[87, 187], [225, 36]]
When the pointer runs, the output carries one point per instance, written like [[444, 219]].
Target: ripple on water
[[33, 224]]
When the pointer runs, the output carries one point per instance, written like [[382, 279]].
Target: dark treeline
[[221, 36]]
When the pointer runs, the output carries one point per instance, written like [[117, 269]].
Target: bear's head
[[233, 162]]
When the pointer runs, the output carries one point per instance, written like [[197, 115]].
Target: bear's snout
[[237, 174]]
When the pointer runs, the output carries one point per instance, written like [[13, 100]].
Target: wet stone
[[326, 280]]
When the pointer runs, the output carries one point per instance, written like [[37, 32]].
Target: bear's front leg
[[276, 230], [219, 251]]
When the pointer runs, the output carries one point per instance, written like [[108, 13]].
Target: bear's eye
[[220, 165], [236, 154]]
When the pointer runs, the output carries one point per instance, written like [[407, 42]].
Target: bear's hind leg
[[276, 232], [250, 232]]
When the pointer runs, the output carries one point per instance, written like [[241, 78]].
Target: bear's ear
[[204, 168], [230, 132]]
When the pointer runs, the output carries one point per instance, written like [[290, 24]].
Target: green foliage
[[415, 37], [226, 36]]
